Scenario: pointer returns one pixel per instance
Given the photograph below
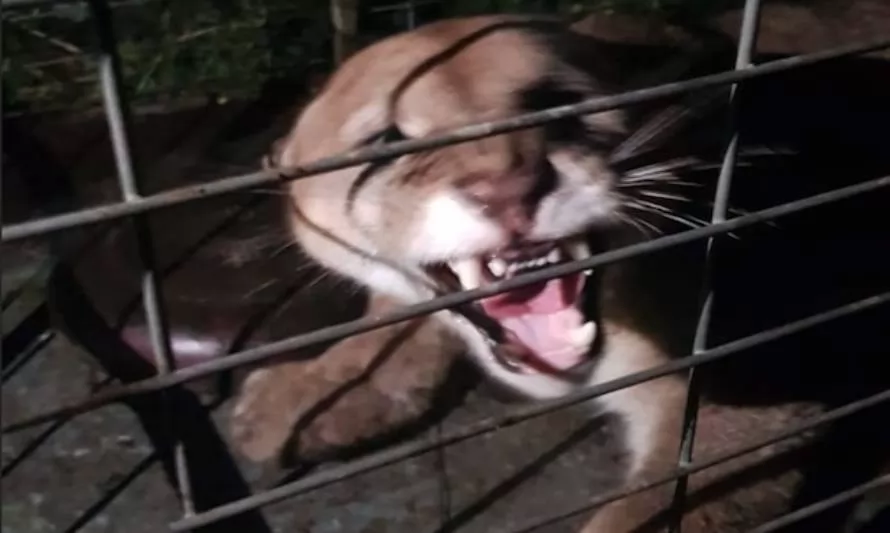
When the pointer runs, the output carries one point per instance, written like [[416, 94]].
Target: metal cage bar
[[117, 113], [746, 44], [134, 205]]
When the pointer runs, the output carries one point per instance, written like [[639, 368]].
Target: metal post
[[118, 124]]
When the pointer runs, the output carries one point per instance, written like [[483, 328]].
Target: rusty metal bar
[[181, 195], [117, 114], [355, 327], [747, 40]]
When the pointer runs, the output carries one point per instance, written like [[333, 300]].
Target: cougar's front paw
[[262, 419]]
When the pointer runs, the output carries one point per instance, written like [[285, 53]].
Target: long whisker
[[663, 195], [667, 214], [281, 249], [653, 207], [664, 167], [694, 163], [648, 184], [259, 288], [647, 229]]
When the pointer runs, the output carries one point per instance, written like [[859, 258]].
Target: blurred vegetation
[[221, 48]]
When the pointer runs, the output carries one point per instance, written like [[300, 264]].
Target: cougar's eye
[[390, 134]]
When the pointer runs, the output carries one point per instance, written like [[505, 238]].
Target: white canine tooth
[[579, 250], [553, 256], [467, 271], [583, 335], [498, 267]]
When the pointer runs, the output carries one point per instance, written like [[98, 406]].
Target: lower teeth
[[583, 336]]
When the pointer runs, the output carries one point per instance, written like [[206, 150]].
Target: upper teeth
[[499, 267], [469, 272]]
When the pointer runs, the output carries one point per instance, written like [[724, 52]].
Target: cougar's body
[[466, 215]]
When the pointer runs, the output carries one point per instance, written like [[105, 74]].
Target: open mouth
[[538, 327]]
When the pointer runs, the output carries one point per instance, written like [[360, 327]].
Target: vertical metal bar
[[117, 114], [2, 114], [747, 40], [412, 15]]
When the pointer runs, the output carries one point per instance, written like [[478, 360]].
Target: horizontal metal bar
[[355, 327], [228, 185], [23, 4], [404, 6], [811, 423], [823, 505], [413, 449]]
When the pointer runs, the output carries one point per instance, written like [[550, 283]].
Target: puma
[[467, 215]]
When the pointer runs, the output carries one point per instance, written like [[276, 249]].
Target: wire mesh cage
[[173, 398]]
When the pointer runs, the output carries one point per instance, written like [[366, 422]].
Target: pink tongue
[[542, 317]]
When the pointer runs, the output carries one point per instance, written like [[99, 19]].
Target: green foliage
[[172, 50]]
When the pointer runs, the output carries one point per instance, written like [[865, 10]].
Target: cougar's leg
[[358, 388]]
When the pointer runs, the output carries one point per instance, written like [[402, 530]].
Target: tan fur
[[479, 82], [378, 379]]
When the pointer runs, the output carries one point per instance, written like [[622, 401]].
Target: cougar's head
[[468, 214]]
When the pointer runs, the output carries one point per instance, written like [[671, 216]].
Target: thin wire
[[416, 448], [362, 325], [118, 123], [180, 195], [747, 40], [813, 422]]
